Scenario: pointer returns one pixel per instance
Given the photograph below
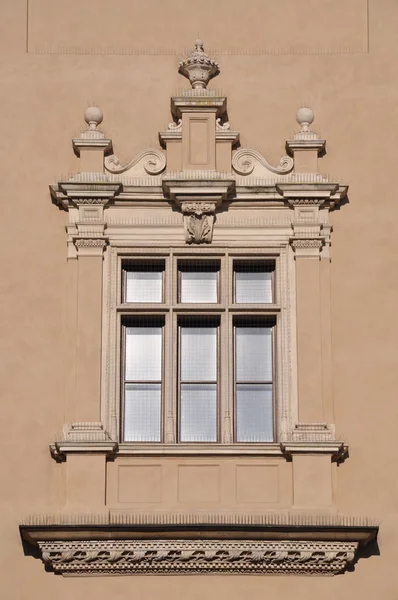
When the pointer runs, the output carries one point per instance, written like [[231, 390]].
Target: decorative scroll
[[245, 160], [175, 126], [197, 556], [198, 221], [222, 126], [154, 162]]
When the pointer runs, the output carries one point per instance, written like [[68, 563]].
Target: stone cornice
[[91, 144], [132, 543], [83, 191], [60, 450], [336, 449], [198, 101], [305, 144], [312, 192], [200, 185]]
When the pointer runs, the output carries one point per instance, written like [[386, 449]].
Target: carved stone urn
[[199, 68]]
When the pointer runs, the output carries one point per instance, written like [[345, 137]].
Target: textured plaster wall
[[355, 98]]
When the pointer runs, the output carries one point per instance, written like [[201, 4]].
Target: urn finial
[[198, 67]]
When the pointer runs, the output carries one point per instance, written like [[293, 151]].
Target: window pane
[[143, 353], [198, 286], [253, 354], [198, 353], [198, 413], [142, 412], [253, 286], [144, 286], [254, 420]]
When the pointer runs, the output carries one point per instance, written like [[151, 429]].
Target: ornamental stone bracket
[[87, 195], [311, 198], [83, 437], [198, 194], [198, 221], [314, 438], [168, 543]]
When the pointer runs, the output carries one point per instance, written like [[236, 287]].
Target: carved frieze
[[197, 557]]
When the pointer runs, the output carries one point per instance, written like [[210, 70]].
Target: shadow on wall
[[371, 549]]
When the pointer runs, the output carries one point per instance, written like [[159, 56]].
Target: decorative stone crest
[[198, 67]]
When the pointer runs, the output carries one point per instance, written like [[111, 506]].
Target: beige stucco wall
[[347, 73]]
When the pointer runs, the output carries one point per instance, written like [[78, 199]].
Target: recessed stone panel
[[139, 483], [257, 484], [198, 483]]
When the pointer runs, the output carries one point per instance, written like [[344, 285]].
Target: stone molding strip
[[274, 519], [295, 50]]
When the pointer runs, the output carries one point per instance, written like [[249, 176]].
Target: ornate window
[[201, 330]]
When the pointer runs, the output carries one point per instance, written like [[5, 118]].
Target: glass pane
[[198, 286], [254, 420], [253, 354], [253, 286], [143, 354], [144, 286], [198, 413], [142, 410], [198, 353]]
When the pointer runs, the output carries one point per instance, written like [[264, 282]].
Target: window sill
[[132, 449]]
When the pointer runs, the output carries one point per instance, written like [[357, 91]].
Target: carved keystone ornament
[[198, 221]]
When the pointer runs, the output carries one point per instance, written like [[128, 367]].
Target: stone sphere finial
[[305, 117], [93, 116], [198, 67]]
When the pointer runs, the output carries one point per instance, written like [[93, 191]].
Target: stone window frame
[[285, 394]]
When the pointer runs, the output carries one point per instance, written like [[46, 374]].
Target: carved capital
[[198, 208], [90, 246], [307, 247]]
